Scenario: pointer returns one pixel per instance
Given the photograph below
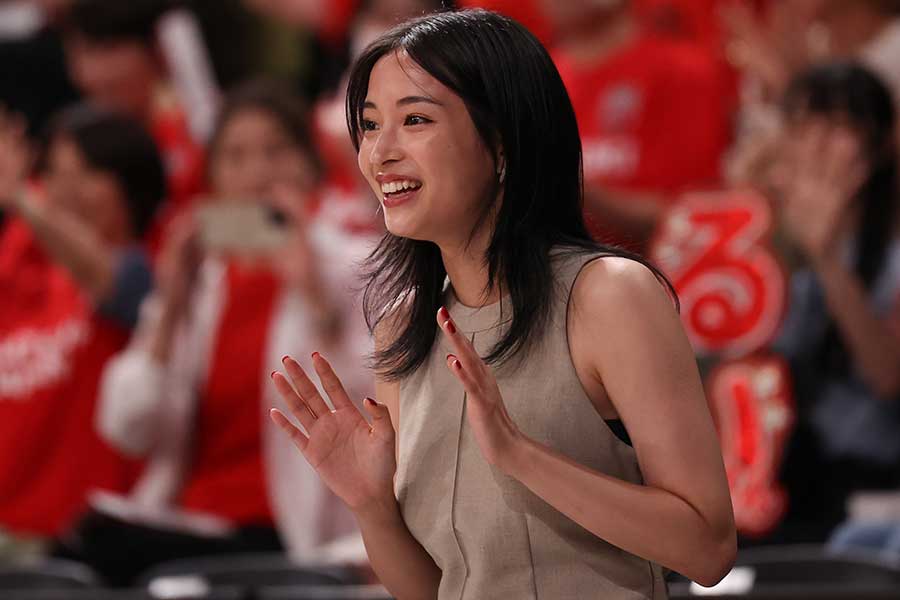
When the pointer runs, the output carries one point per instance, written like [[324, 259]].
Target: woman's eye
[[416, 120], [368, 125]]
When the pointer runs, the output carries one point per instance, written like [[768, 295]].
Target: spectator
[[836, 185], [190, 391], [114, 59], [651, 118], [72, 278]]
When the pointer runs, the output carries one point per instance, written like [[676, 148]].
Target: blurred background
[[180, 207]]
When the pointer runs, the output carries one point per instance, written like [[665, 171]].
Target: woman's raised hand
[[494, 429], [356, 460]]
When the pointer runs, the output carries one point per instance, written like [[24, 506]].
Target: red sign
[[754, 411], [733, 291]]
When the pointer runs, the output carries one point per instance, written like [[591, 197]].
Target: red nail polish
[[370, 401], [315, 355], [451, 327], [272, 374], [456, 364], [445, 314], [284, 358]]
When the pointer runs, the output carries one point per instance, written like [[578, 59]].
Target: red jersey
[[651, 117], [53, 348], [227, 477]]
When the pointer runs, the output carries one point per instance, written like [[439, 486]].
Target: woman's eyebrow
[[406, 100]]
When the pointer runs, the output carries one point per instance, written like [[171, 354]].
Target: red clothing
[[53, 348], [185, 163], [651, 117], [696, 20], [227, 476]]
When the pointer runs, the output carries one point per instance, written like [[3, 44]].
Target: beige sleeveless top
[[491, 536]]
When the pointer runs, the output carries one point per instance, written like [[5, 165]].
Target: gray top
[[489, 534]]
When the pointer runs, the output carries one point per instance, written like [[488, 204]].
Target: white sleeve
[[131, 391]]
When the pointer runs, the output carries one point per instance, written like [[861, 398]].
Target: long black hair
[[847, 92], [518, 103]]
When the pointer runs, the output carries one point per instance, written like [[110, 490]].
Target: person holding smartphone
[[540, 429], [190, 392]]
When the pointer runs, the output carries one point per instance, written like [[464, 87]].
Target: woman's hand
[[494, 430], [297, 262], [179, 263], [823, 172], [356, 460]]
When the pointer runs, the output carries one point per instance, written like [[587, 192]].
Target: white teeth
[[396, 186]]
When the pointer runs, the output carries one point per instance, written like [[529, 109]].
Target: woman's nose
[[386, 147]]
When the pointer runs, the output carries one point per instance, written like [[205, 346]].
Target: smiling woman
[[518, 447]]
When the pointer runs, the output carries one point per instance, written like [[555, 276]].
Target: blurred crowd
[[180, 207]]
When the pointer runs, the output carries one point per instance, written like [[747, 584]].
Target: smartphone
[[244, 227]]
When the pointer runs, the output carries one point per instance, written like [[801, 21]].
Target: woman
[[510, 482], [190, 391], [836, 180]]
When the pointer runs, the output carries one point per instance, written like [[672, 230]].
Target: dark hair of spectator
[[116, 144], [105, 21], [272, 98], [519, 106], [848, 93]]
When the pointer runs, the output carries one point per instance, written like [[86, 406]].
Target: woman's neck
[[468, 273]]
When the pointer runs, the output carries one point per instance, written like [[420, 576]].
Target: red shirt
[[185, 163], [651, 117], [227, 477], [53, 348]]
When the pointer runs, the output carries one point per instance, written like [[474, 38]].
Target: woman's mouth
[[397, 192]]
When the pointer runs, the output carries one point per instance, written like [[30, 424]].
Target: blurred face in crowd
[[253, 154], [92, 195], [421, 154], [802, 142], [850, 24], [567, 16], [118, 75]]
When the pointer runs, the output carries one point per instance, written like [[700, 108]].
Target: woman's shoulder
[[608, 283]]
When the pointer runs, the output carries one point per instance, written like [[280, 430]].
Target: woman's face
[[92, 195], [422, 156], [253, 155]]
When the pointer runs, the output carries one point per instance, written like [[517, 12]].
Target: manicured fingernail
[[315, 355], [272, 374], [370, 401], [456, 364], [445, 314], [450, 326], [284, 358]]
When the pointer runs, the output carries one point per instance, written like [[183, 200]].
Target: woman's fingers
[[466, 362], [470, 383], [300, 440], [465, 351], [330, 382], [305, 387], [298, 407], [381, 418]]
